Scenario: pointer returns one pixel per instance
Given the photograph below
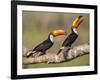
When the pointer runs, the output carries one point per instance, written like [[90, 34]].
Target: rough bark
[[63, 56]]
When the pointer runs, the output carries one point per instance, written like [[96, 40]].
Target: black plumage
[[69, 41], [42, 47], [73, 35], [46, 44]]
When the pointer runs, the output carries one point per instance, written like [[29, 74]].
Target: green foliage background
[[37, 26]]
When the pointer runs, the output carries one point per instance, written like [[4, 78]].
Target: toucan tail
[[59, 51], [62, 48], [30, 53]]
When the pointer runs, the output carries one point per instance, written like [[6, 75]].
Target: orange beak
[[77, 21], [58, 32]]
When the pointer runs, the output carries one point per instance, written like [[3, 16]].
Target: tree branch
[[63, 56]]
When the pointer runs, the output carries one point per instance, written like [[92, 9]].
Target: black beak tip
[[80, 16], [81, 19]]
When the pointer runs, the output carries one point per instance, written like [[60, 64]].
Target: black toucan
[[73, 35], [48, 43]]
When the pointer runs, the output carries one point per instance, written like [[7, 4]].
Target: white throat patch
[[51, 38], [75, 30]]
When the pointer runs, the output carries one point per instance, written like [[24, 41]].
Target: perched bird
[[73, 35], [48, 43]]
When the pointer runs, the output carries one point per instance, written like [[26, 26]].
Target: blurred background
[[37, 26]]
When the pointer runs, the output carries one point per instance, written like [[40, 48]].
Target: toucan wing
[[70, 40], [43, 46]]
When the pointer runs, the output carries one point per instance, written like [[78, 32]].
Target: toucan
[[73, 35], [46, 44]]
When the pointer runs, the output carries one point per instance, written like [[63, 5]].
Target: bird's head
[[58, 32], [77, 21]]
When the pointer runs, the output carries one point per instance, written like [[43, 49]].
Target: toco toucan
[[73, 35], [48, 43]]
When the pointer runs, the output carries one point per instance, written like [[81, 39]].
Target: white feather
[[30, 52], [62, 47], [51, 38], [74, 29]]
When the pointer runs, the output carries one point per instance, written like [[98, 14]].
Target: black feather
[[70, 40], [42, 47]]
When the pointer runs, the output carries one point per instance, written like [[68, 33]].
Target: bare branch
[[63, 56]]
